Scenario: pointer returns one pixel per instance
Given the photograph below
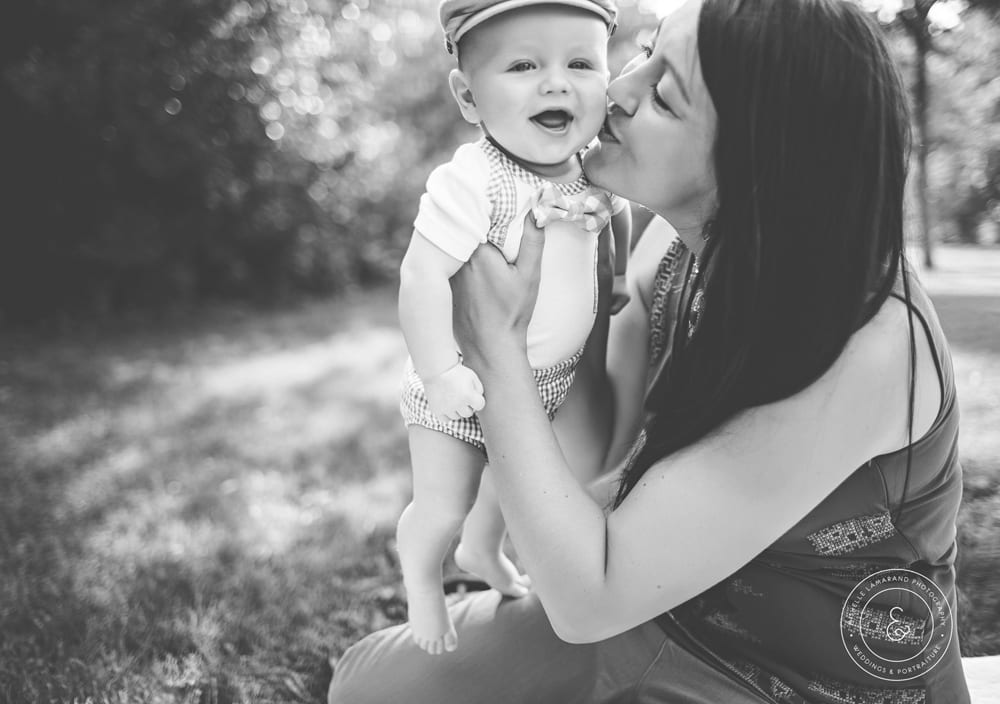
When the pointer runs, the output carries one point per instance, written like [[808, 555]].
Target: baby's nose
[[555, 81]]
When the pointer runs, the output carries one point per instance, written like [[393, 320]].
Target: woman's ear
[[461, 89]]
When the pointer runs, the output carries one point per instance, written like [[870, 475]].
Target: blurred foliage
[[964, 165], [166, 152], [172, 150], [961, 49]]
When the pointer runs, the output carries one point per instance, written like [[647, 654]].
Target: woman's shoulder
[[880, 356]]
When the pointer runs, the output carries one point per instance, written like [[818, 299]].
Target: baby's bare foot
[[494, 568], [430, 623]]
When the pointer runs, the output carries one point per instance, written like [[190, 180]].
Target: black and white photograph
[[500, 352]]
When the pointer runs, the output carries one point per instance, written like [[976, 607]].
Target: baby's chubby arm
[[425, 316]]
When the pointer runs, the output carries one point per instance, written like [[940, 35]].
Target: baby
[[533, 75]]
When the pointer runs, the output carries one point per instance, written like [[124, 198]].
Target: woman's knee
[[356, 677], [507, 652]]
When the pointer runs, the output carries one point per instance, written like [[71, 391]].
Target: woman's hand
[[493, 300]]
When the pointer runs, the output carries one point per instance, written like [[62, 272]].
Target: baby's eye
[[522, 66], [580, 65]]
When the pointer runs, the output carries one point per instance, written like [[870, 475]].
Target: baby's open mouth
[[554, 120]]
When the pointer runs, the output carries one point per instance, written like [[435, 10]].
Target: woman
[[784, 528]]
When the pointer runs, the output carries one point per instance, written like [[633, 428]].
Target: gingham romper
[[482, 195]]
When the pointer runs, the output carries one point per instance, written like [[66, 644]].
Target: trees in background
[[171, 151], [964, 129], [949, 50], [176, 150], [916, 19]]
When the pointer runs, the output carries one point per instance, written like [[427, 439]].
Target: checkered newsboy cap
[[459, 16]]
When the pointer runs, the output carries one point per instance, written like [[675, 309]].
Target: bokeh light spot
[[328, 129], [271, 111], [318, 191], [241, 11], [260, 65], [275, 131], [387, 57], [255, 94], [308, 84]]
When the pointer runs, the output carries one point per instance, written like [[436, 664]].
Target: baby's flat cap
[[459, 16]]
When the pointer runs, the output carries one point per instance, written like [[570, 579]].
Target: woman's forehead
[[676, 42], [677, 34]]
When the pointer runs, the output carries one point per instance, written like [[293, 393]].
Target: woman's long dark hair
[[807, 239]]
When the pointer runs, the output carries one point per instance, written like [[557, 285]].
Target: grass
[[965, 286], [203, 510]]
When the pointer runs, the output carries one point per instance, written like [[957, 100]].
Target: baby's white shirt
[[481, 195]]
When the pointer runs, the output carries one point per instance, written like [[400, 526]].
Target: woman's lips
[[606, 135]]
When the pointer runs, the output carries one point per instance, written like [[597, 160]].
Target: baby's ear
[[461, 89]]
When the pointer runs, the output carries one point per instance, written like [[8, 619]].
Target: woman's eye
[[522, 66], [660, 102]]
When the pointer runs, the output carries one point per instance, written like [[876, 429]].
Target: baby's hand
[[455, 393], [619, 293]]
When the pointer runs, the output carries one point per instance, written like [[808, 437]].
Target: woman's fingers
[[529, 258], [492, 298]]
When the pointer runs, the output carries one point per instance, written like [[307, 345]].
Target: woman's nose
[[621, 94]]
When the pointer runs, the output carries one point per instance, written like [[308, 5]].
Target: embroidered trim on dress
[[845, 693], [665, 282], [852, 534], [873, 623], [725, 622], [741, 586]]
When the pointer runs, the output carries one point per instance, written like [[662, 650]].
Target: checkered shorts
[[553, 385]]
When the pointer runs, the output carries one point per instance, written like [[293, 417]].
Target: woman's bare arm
[[628, 341], [583, 421], [700, 514]]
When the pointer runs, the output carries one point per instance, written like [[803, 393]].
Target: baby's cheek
[[596, 110]]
